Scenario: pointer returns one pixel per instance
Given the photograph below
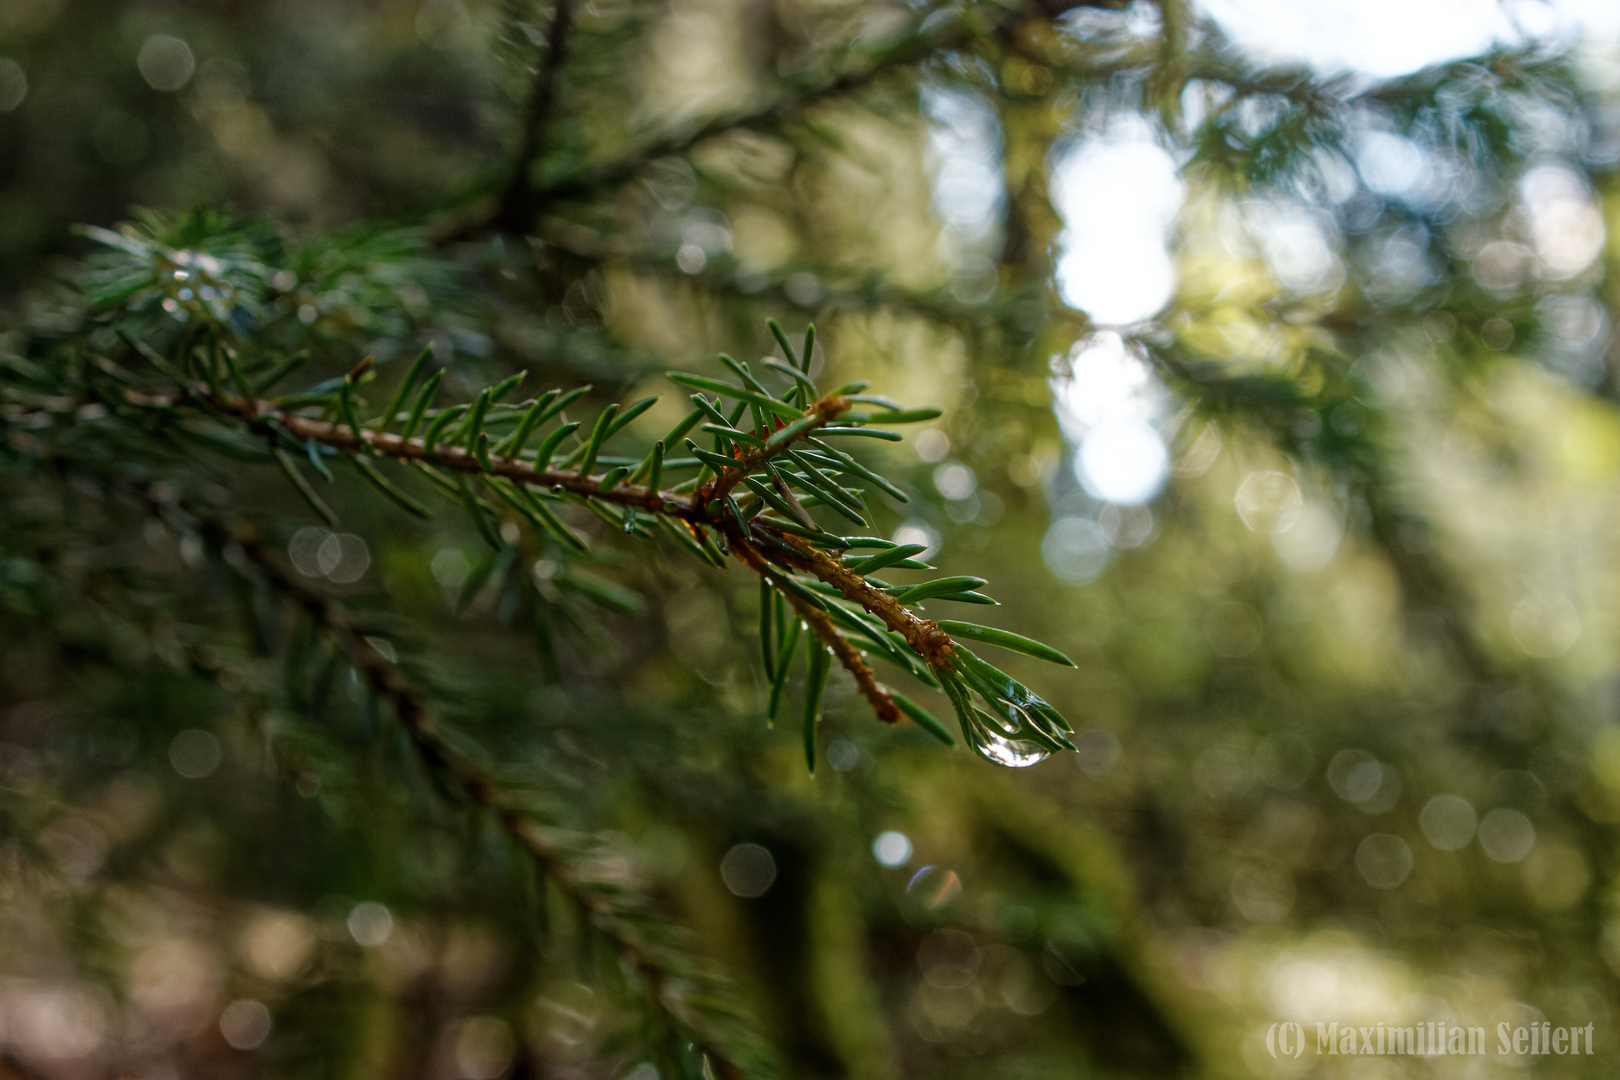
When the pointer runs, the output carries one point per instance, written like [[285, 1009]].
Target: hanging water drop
[[1013, 753], [998, 740]]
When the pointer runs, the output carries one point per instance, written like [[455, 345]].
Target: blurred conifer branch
[[700, 1005], [517, 202], [524, 198]]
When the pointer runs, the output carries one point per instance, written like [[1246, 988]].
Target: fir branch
[[708, 521]]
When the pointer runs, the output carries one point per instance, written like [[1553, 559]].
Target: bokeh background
[[1274, 341]]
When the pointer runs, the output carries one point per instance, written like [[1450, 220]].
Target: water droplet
[[1013, 753], [998, 738]]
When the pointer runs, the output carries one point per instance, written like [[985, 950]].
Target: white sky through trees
[[1119, 192]]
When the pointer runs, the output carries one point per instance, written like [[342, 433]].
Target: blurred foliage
[[326, 753]]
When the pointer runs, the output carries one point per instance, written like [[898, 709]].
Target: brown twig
[[821, 624], [342, 438], [825, 410], [261, 414], [924, 636]]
